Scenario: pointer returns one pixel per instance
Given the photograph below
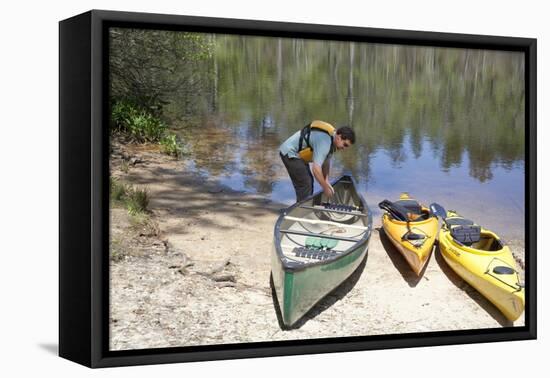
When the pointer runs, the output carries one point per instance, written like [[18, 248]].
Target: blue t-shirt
[[318, 140]]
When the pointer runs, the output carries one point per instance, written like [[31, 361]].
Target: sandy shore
[[203, 277]]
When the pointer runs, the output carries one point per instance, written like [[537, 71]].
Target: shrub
[[137, 123], [121, 114], [143, 127], [171, 145]]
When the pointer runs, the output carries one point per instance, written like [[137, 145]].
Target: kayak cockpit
[[406, 210], [466, 232], [487, 242]]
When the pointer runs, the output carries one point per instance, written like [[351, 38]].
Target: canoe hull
[[301, 281], [299, 290]]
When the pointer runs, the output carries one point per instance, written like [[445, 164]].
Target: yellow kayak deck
[[488, 266], [414, 238]]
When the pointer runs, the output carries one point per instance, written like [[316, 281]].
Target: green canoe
[[317, 246]]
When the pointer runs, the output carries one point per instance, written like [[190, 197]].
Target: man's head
[[345, 137]]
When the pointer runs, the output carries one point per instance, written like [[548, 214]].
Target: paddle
[[396, 211], [438, 211], [399, 212]]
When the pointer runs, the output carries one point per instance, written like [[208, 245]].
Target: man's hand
[[328, 190], [318, 174]]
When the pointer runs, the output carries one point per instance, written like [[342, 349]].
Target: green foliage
[[136, 123], [146, 128], [148, 66], [171, 145], [121, 114], [134, 199], [137, 201]]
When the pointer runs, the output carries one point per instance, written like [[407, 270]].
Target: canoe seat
[[320, 243], [311, 253], [340, 207], [464, 230]]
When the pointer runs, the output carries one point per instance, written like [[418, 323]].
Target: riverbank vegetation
[[140, 126], [135, 200], [148, 70]]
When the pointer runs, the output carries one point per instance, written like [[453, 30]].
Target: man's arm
[[318, 173], [320, 167], [326, 169]]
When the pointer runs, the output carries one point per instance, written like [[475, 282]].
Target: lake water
[[445, 125]]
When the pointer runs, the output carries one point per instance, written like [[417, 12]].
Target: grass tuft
[[136, 200]]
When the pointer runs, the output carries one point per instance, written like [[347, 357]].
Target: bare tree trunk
[[216, 77], [334, 71], [350, 83], [280, 69]]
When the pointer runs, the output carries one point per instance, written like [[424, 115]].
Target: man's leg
[[300, 175]]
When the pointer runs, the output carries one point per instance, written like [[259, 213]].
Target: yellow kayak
[[484, 261], [412, 229]]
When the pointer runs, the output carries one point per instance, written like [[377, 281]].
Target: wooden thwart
[[315, 221], [302, 233]]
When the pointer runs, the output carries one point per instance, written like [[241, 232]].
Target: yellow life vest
[[306, 153]]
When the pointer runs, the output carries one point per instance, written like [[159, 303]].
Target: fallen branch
[[216, 269], [225, 284], [219, 268], [183, 267], [225, 278], [214, 276]]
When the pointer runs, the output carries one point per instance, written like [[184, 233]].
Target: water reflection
[[443, 124]]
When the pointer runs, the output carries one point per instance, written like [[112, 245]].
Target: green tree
[[149, 67]]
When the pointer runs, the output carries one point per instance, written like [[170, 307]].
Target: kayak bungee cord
[[516, 287]]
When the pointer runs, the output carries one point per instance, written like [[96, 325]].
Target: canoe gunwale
[[291, 266]]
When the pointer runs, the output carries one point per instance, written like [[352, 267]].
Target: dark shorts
[[301, 176]]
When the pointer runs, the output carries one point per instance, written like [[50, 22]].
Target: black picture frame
[[84, 188]]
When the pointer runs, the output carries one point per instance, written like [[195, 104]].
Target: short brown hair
[[347, 133]]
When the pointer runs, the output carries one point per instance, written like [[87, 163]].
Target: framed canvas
[[235, 189]]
